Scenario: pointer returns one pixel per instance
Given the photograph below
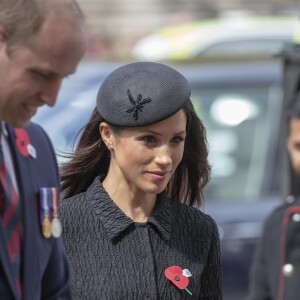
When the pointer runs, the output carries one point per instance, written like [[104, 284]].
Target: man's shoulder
[[32, 132], [39, 136], [36, 129], [32, 129], [290, 203]]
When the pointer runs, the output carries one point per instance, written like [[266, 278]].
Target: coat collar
[[115, 221]]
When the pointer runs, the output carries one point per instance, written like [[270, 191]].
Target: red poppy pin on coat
[[23, 143], [179, 277]]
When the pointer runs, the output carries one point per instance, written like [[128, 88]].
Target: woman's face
[[145, 158]]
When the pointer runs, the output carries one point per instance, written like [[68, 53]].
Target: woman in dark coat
[[130, 230]]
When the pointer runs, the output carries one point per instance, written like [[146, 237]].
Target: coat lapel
[[6, 264], [29, 214]]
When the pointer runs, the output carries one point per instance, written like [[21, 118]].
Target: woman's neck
[[137, 205]]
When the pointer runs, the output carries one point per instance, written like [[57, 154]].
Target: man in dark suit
[[41, 42], [276, 267]]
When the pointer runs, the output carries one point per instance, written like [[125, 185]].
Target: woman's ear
[[3, 41], [106, 134]]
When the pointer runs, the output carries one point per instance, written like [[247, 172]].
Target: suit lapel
[[3, 251], [6, 264], [29, 215]]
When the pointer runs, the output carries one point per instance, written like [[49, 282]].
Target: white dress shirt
[[7, 157]]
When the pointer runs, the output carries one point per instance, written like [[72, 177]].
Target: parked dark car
[[240, 104]]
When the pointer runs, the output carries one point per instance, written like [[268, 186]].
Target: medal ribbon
[[45, 201], [54, 200]]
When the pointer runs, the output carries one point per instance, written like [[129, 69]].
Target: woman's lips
[[158, 175]]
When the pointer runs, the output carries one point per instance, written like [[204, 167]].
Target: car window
[[246, 47], [242, 130]]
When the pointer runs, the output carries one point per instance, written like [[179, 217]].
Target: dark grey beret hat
[[142, 93]]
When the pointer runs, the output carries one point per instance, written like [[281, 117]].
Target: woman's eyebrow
[[159, 133]]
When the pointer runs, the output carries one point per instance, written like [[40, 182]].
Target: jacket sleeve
[[258, 284], [56, 279]]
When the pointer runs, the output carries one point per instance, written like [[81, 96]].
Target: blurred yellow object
[[234, 36], [297, 32]]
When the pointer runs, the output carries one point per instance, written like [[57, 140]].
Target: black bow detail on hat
[[137, 105]]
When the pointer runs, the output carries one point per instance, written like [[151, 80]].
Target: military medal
[[46, 226], [56, 227], [45, 213]]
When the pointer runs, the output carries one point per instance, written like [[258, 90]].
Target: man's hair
[[22, 19], [293, 112], [293, 109]]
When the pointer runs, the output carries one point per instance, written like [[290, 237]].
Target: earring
[[108, 147]]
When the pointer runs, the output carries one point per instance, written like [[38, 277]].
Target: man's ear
[[2, 33]]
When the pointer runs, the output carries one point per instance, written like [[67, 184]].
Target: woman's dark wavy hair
[[91, 159]]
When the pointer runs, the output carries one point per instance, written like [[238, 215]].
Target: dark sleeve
[[258, 284], [211, 282], [56, 279]]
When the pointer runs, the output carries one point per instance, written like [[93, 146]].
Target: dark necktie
[[11, 219]]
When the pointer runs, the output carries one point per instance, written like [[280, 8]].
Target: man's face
[[293, 144], [31, 75]]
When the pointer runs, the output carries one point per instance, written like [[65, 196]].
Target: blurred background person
[[41, 42], [276, 267]]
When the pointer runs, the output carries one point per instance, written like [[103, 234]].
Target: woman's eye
[[149, 139], [177, 139]]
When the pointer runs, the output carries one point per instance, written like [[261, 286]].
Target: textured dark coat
[[45, 273], [112, 257], [276, 266]]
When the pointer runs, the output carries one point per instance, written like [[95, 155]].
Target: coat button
[[290, 199], [296, 217], [287, 270]]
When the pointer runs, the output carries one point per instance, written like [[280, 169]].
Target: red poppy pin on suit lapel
[[179, 277], [23, 143]]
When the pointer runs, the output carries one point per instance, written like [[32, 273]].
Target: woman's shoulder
[[188, 213], [192, 223], [73, 203], [79, 200]]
